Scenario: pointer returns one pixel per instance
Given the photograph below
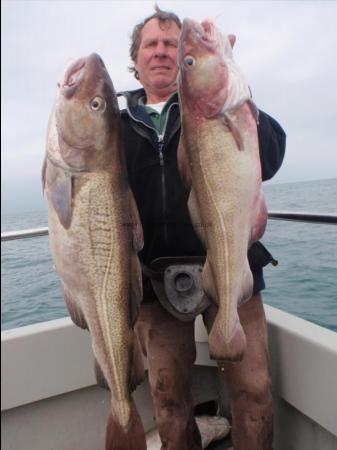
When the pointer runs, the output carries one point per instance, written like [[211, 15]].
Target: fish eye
[[98, 104], [189, 61]]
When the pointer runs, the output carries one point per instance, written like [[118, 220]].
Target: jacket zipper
[[163, 180], [140, 121], [161, 162], [163, 184]]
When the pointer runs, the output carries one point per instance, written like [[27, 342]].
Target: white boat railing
[[309, 217], [330, 219], [24, 234]]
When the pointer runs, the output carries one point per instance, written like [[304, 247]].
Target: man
[[151, 128]]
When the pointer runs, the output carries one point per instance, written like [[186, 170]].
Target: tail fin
[[133, 438], [221, 349], [227, 340]]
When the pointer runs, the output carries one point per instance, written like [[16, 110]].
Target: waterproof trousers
[[248, 382], [169, 347]]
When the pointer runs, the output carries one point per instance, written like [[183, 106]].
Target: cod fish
[[218, 157], [95, 234]]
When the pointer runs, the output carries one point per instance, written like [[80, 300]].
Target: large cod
[[95, 234], [218, 157]]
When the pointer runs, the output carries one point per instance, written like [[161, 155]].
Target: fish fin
[[137, 375], [137, 229], [133, 438], [260, 219], [254, 110], [193, 209], [208, 282], [75, 312], [43, 175], [247, 284], [136, 289], [220, 346], [183, 165], [137, 367], [136, 294], [230, 123], [60, 192], [100, 378], [232, 39], [222, 349]]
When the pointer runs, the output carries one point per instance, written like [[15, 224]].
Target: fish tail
[[227, 340], [222, 349], [130, 437]]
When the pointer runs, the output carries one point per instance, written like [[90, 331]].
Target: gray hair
[[164, 18]]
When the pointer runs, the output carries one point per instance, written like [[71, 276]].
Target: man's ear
[[232, 39]]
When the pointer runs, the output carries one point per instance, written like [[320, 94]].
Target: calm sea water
[[304, 282]]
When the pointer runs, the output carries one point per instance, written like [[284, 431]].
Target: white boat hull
[[50, 400]]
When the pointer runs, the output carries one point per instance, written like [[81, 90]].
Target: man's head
[[153, 50]]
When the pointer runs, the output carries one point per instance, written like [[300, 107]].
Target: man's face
[[157, 57]]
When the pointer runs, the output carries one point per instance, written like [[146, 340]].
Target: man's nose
[[160, 49]]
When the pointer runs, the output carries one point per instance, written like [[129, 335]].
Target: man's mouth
[[161, 68]]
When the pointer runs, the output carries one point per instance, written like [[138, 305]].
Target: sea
[[303, 283]]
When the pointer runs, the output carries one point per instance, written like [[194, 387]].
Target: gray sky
[[286, 49]]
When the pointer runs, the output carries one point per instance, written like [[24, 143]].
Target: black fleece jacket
[[153, 173]]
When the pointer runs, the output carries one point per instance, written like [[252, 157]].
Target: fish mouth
[[204, 32], [197, 37], [209, 35], [76, 72], [72, 77]]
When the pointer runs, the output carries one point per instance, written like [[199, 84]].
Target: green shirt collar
[[159, 120]]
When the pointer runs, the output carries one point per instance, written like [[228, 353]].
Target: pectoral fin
[[254, 110], [183, 166], [60, 193], [236, 132], [44, 169], [197, 222], [137, 229]]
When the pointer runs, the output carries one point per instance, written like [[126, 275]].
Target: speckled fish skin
[[94, 229], [219, 158]]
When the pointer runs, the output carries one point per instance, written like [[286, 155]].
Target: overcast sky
[[287, 50]]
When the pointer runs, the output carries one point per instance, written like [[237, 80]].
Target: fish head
[[86, 114], [209, 80]]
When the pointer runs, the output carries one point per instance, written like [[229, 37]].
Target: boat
[[50, 399]]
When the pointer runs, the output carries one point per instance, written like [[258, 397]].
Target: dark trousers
[[169, 347]]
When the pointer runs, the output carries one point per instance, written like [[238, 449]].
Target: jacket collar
[[135, 108], [132, 97], [135, 99]]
